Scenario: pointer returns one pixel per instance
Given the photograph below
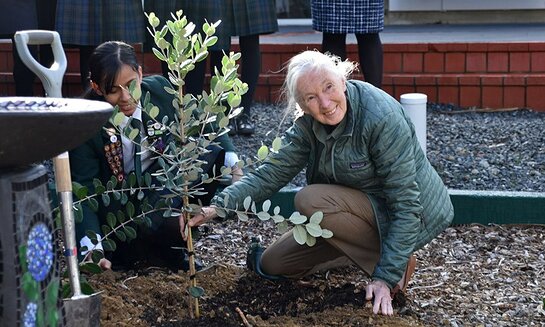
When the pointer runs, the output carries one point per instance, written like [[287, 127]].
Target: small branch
[[243, 317], [126, 280]]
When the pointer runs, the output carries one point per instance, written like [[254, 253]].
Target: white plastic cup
[[414, 105]]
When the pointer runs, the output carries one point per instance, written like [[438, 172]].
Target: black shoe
[[232, 126], [245, 126], [253, 260]]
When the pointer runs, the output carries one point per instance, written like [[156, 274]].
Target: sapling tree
[[198, 121]]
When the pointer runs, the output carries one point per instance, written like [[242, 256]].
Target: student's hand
[[381, 293], [103, 263], [206, 214]]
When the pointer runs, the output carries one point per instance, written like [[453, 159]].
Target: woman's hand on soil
[[383, 301]]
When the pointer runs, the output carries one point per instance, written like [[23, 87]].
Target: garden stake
[[193, 301]]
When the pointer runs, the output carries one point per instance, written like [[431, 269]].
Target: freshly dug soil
[[154, 297]]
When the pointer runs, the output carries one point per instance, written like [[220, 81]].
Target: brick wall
[[484, 75]]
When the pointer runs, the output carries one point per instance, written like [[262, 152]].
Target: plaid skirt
[[348, 16], [92, 22], [238, 17]]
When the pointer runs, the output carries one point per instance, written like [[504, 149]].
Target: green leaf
[[130, 209], [282, 227], [78, 213], [262, 153], [223, 122], [100, 189], [300, 234], [130, 232], [326, 233], [105, 199], [311, 241], [234, 100], [317, 217], [241, 216], [154, 112], [314, 229], [263, 216], [266, 205], [147, 179], [121, 216], [221, 212], [105, 230], [90, 267], [92, 236], [277, 144], [93, 204], [108, 245], [96, 183], [118, 118], [278, 219], [196, 291], [86, 288], [140, 195], [124, 198], [117, 195], [133, 133], [276, 210], [111, 220], [121, 235], [247, 202], [81, 192], [132, 180], [96, 256], [297, 218]]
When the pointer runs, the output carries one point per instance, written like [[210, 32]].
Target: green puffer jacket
[[375, 150]]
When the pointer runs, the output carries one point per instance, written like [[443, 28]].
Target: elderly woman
[[366, 172]]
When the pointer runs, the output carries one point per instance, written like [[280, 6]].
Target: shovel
[[81, 310]]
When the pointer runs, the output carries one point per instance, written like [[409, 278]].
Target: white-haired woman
[[366, 172]]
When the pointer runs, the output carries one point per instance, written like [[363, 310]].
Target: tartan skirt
[[238, 17], [92, 22], [348, 16]]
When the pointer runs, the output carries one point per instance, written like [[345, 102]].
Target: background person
[[247, 19], [365, 18], [84, 24], [365, 171], [19, 15]]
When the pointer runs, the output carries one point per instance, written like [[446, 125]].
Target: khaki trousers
[[348, 214]]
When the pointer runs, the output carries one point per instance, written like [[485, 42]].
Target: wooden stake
[[192, 271]]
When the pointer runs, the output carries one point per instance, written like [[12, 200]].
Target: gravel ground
[[470, 275]]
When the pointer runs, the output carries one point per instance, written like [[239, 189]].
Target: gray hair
[[308, 61]]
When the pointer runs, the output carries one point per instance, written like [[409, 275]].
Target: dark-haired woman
[[113, 67]]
